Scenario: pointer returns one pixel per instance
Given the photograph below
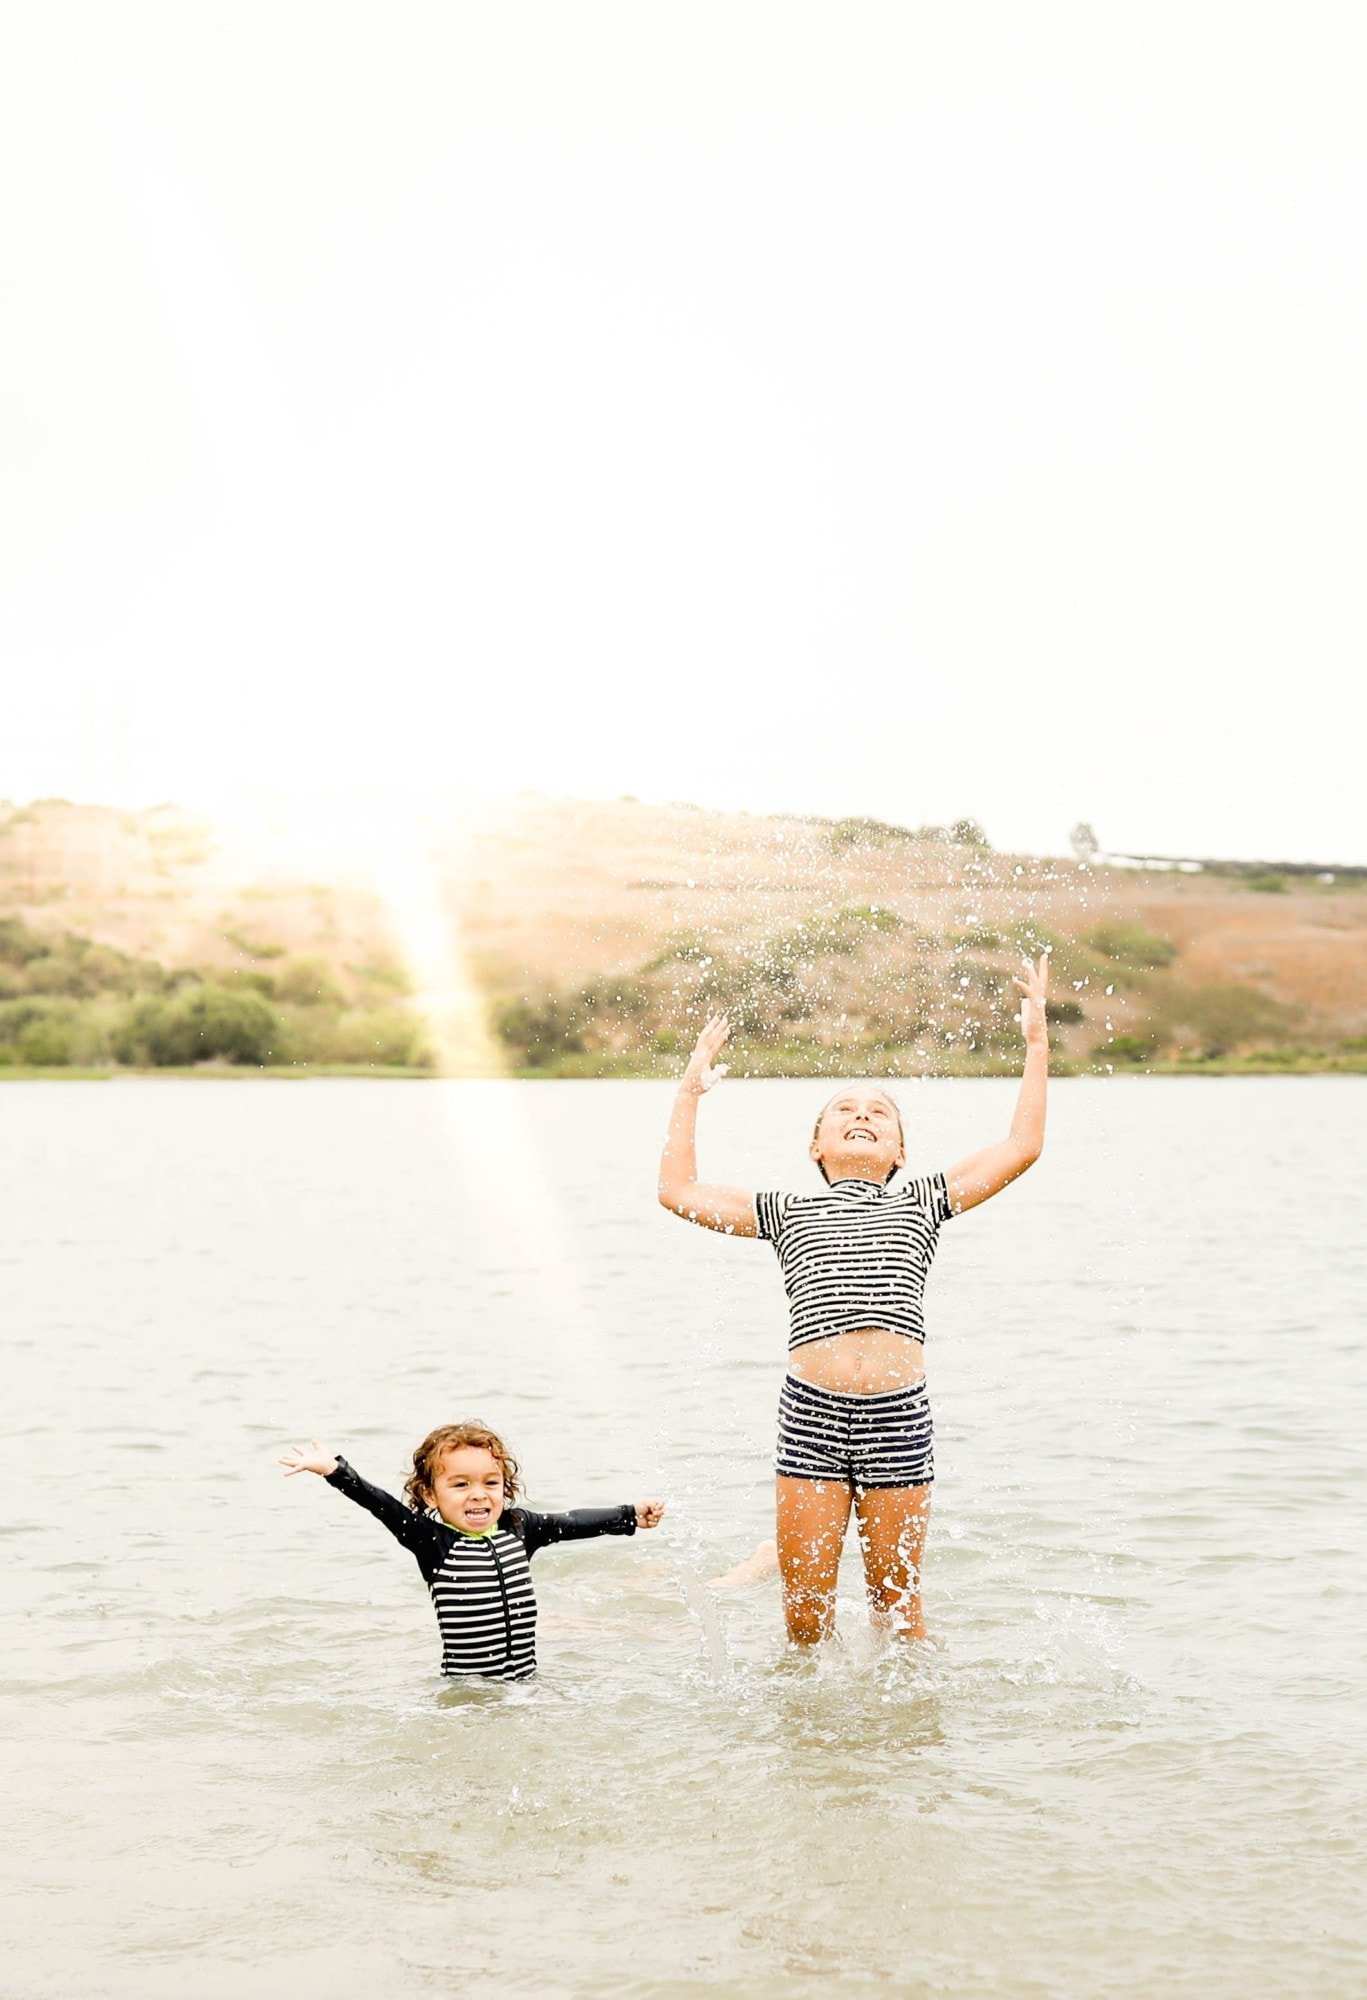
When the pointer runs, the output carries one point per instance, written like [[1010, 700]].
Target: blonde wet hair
[[888, 1099]]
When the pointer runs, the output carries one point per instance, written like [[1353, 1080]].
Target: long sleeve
[[581, 1524], [425, 1539]]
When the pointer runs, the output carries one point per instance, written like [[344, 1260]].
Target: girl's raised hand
[[296, 1459], [1034, 990], [700, 1074], [649, 1513]]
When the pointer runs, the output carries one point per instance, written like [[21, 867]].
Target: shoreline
[[1351, 1064]]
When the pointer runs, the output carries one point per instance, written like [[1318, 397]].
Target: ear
[[814, 1153]]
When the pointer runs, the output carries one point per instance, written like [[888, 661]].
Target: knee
[[809, 1615], [895, 1590]]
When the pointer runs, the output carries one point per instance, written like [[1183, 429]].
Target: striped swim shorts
[[859, 1441]]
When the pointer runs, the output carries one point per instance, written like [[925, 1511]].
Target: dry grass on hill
[[597, 936]]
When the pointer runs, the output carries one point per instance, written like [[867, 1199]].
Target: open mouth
[[862, 1132]]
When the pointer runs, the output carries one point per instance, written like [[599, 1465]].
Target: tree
[[1084, 842], [201, 1023], [968, 833]]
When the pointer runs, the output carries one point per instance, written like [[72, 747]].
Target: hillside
[[559, 937]]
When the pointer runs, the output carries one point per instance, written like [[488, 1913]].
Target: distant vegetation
[[65, 1001], [1131, 944], [876, 832], [860, 989], [598, 940], [856, 984]]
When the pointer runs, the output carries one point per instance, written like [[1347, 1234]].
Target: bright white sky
[[913, 409]]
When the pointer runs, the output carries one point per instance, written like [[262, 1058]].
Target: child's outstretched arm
[[987, 1172], [414, 1531], [713, 1207], [581, 1524]]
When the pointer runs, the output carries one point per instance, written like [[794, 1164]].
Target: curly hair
[[417, 1488]]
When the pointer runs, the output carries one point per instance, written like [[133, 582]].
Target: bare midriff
[[865, 1361]]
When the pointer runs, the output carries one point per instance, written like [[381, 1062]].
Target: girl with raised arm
[[461, 1518], [854, 1421]]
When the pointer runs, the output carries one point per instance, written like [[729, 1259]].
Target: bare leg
[[761, 1563], [812, 1517], [892, 1533]]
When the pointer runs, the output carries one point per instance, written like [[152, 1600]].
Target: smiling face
[[467, 1488], [859, 1137]]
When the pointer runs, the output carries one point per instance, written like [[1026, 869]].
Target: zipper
[[507, 1612]]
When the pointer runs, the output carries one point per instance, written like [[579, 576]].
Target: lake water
[[1134, 1766]]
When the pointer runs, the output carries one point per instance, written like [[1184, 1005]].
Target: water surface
[[1133, 1767]]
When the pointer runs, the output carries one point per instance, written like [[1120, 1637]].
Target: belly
[[866, 1362]]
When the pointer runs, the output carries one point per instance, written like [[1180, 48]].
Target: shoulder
[[771, 1212], [927, 1193]]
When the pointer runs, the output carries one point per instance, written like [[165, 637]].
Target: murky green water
[[1133, 1769]]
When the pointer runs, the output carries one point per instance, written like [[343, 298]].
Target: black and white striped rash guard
[[481, 1585], [856, 1254]]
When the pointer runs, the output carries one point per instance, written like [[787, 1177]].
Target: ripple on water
[[1129, 1766]]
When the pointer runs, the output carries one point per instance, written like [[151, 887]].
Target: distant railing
[[1319, 871]]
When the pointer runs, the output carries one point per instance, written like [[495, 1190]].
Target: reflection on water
[[1128, 1763]]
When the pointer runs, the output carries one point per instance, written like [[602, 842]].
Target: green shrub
[[684, 948], [1127, 1049], [18, 1015], [539, 1028], [872, 917], [1226, 1017], [47, 1044], [47, 1033], [1268, 885], [1032, 938], [613, 995], [19, 944], [307, 983], [1066, 1013], [858, 832], [389, 1037], [780, 958], [202, 1023], [970, 977], [1131, 944], [245, 978], [385, 973], [250, 949]]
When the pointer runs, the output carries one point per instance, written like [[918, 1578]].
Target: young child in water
[[472, 1541]]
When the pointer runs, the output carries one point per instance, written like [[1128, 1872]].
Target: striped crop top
[[856, 1254]]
